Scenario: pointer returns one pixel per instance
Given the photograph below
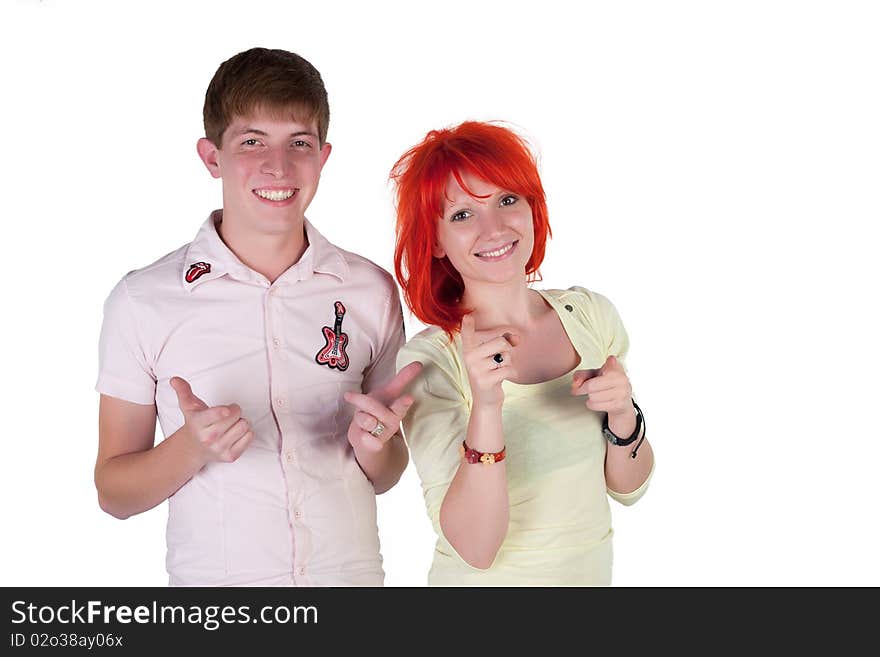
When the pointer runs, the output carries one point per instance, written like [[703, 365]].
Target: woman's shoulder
[[431, 343], [443, 373], [593, 314], [589, 302]]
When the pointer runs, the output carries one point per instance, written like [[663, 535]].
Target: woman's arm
[[475, 511], [608, 390], [623, 473]]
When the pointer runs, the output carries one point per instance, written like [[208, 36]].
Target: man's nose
[[275, 163]]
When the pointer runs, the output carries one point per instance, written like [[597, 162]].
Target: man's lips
[[275, 195]]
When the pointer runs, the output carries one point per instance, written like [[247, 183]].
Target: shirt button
[[291, 457], [302, 571], [276, 342], [297, 514], [568, 307], [279, 401]]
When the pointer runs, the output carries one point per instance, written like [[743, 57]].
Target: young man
[[246, 343]]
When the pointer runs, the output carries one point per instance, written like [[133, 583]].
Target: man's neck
[[268, 254]]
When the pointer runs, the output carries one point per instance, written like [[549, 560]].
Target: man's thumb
[[185, 397]]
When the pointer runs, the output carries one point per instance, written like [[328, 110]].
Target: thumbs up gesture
[[607, 389], [379, 413], [218, 432]]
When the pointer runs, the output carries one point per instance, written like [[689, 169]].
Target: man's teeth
[[272, 195], [497, 252]]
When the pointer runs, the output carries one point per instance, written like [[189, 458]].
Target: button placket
[[281, 409]]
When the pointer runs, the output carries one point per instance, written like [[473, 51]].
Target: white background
[[712, 167]]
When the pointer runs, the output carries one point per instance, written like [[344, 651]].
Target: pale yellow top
[[560, 523]]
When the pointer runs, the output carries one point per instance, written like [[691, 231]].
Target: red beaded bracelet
[[473, 456]]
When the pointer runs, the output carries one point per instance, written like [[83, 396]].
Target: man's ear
[[209, 154], [325, 153]]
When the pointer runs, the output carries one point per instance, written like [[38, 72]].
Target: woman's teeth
[[496, 252]]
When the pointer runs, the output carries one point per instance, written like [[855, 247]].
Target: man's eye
[[300, 143], [461, 215], [250, 142], [510, 199]]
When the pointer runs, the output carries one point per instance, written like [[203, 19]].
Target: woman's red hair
[[432, 287]]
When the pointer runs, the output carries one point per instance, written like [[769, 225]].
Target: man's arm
[[382, 457], [132, 475]]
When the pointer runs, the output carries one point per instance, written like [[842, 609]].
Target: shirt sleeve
[[436, 422], [124, 370], [628, 499], [391, 338], [606, 320]]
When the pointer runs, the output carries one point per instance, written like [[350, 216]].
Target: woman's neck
[[510, 304]]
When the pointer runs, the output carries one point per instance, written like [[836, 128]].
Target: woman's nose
[[493, 222]]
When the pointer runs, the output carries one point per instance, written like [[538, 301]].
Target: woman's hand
[[482, 351], [608, 390]]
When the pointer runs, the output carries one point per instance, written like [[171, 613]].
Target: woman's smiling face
[[486, 231]]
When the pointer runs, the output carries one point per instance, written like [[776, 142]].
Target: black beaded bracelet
[[616, 440], [641, 423], [632, 454]]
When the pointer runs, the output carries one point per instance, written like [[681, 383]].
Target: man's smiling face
[[270, 169]]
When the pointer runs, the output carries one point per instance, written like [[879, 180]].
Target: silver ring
[[379, 430]]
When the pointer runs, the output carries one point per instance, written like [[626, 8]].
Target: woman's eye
[[510, 199], [461, 215]]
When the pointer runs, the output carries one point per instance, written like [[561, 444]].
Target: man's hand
[[385, 405], [218, 433]]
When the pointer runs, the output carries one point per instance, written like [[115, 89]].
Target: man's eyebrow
[[244, 131], [299, 133]]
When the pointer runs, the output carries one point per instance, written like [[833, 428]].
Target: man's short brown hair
[[277, 81]]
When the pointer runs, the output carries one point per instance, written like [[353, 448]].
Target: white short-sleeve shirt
[[295, 508]]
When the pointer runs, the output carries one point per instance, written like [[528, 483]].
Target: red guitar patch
[[197, 269], [332, 354]]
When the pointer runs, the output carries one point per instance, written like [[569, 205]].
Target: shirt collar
[[207, 258], [325, 257]]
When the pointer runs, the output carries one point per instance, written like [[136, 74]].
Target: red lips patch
[[197, 269]]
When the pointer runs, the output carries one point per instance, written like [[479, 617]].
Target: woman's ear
[[438, 251]]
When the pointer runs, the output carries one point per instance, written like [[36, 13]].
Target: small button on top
[[290, 457], [568, 307], [297, 514], [280, 402], [276, 342]]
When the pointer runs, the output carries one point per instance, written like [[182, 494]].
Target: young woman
[[523, 420]]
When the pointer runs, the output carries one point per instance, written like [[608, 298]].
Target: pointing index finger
[[580, 377], [467, 332], [401, 380]]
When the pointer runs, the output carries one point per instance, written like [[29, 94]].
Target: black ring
[[498, 358]]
